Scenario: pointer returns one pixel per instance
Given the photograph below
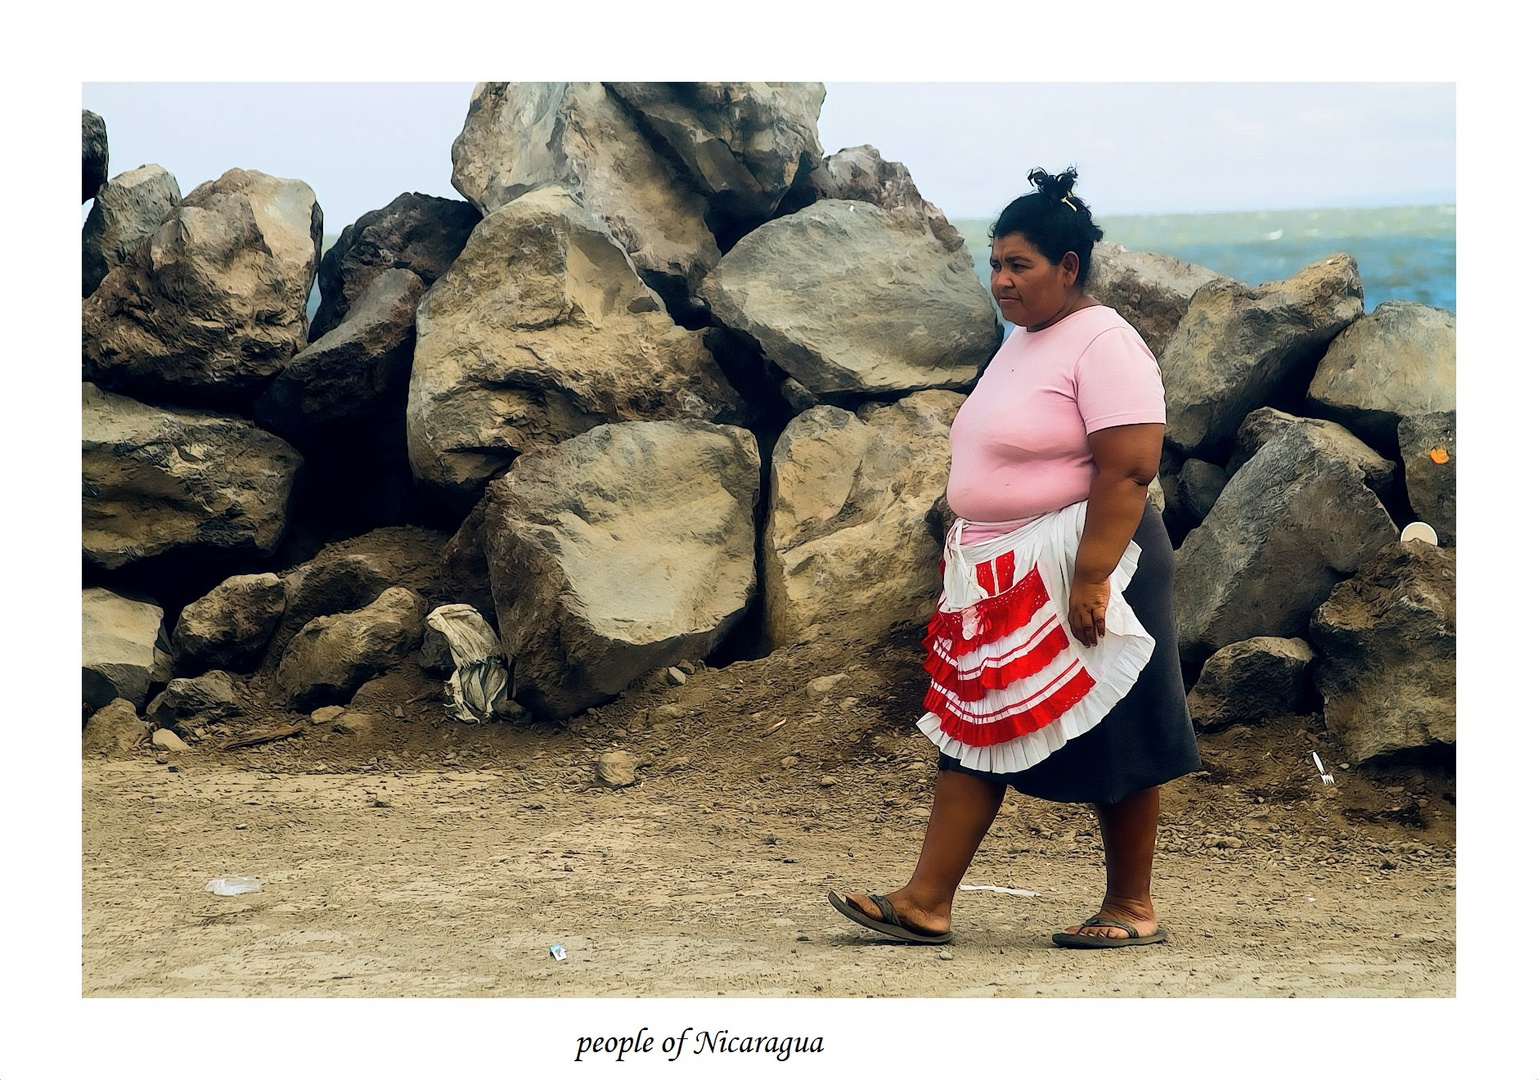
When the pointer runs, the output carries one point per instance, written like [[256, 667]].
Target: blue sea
[[1402, 252]]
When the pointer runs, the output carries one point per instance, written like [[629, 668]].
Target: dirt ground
[[413, 856]]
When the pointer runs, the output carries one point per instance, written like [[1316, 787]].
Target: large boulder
[[184, 703], [1264, 424], [620, 551], [420, 233], [862, 174], [847, 549], [1294, 520], [229, 627], [128, 208], [113, 728], [1238, 348], [518, 136], [1387, 641], [742, 144], [1251, 681], [213, 304], [1429, 445], [1150, 291], [123, 648], [333, 655], [158, 480], [851, 301], [351, 574], [358, 371], [1398, 362], [539, 331], [93, 154]]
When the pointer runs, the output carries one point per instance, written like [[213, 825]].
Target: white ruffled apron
[[1009, 683]]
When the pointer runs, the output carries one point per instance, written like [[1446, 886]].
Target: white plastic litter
[[233, 886], [1326, 777], [1419, 530], [1000, 888], [558, 951], [479, 682]]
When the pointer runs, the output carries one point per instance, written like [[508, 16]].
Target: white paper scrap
[[1000, 888]]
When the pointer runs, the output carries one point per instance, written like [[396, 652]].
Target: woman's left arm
[[1126, 462]]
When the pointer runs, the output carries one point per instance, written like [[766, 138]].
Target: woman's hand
[[1087, 602]]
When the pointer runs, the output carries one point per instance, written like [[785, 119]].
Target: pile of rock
[[671, 384]]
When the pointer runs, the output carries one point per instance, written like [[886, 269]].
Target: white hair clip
[[1070, 205]]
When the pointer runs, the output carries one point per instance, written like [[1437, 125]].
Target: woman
[[1052, 656]]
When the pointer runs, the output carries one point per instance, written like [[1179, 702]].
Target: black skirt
[[1147, 738]]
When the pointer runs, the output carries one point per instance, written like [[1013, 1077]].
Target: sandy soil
[[417, 857]]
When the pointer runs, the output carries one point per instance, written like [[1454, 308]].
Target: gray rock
[[1293, 521], [93, 154], [185, 702], [229, 627], [852, 300], [128, 208], [518, 136], [160, 480], [334, 655], [625, 549], [847, 549], [1251, 681], [617, 768], [1238, 348], [213, 304], [862, 174], [1398, 362], [1266, 423], [1199, 483], [351, 574], [1387, 642], [123, 648], [539, 331], [357, 371], [113, 728], [1150, 291], [167, 739], [1429, 445], [420, 233], [742, 144]]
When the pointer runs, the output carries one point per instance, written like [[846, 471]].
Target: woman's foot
[[1138, 916], [924, 920]]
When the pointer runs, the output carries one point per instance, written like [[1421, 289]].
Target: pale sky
[[1139, 147]]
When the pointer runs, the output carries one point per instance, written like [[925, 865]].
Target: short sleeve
[[1117, 382]]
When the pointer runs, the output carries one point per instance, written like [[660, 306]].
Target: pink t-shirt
[[1020, 443]]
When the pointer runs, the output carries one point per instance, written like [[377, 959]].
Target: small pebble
[[946, 954], [827, 781], [676, 677]]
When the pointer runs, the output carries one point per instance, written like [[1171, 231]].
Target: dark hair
[[1053, 219]]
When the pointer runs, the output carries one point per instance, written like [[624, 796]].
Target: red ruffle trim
[[996, 615], [1009, 727], [998, 676]]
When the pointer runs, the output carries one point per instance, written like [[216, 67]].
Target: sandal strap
[[1101, 920]]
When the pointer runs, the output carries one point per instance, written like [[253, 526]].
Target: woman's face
[[1030, 290]]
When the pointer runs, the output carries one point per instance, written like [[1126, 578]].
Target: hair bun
[[1054, 186]]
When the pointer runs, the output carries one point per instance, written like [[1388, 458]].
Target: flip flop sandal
[[890, 923], [1093, 941]]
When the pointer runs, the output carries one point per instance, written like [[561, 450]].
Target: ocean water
[[1402, 252]]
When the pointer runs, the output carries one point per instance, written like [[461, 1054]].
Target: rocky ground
[[411, 856]]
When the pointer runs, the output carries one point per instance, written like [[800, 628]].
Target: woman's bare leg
[[1128, 829], [964, 808]]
